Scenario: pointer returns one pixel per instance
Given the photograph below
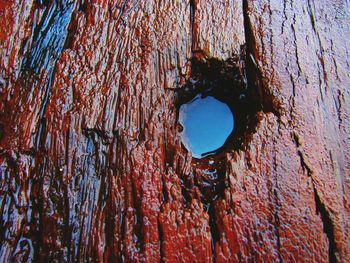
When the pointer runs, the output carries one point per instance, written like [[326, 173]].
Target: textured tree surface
[[91, 163]]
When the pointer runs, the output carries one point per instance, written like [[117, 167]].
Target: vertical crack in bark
[[192, 10], [285, 18], [161, 252], [339, 107], [328, 227], [41, 122], [249, 37], [296, 45], [321, 209], [213, 230], [320, 55], [264, 96], [294, 76], [38, 211]]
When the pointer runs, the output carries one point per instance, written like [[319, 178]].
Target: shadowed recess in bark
[[227, 82]]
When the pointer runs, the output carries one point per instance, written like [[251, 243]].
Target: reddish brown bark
[[92, 166]]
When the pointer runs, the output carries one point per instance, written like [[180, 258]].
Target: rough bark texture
[[91, 163]]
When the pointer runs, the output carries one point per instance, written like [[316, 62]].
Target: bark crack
[[328, 227], [321, 209], [285, 17], [320, 55], [296, 45], [213, 230], [192, 11], [339, 107]]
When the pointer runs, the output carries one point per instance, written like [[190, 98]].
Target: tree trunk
[[91, 162]]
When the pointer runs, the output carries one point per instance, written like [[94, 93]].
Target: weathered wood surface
[[91, 163]]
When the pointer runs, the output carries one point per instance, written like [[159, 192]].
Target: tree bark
[[91, 162]]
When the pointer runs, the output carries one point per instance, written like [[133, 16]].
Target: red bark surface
[[91, 162]]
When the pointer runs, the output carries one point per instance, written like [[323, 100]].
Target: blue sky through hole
[[207, 123]]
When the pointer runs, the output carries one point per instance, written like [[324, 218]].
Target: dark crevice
[[96, 134], [113, 220], [187, 189], [40, 133], [161, 252], [303, 163], [66, 224], [71, 32], [136, 217], [209, 178], [213, 229], [111, 223], [206, 183], [328, 227], [268, 102], [192, 32], [339, 107], [43, 3], [296, 139], [294, 30], [83, 6], [38, 209], [311, 10]]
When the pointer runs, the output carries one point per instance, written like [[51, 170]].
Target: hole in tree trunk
[[207, 123], [215, 107]]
